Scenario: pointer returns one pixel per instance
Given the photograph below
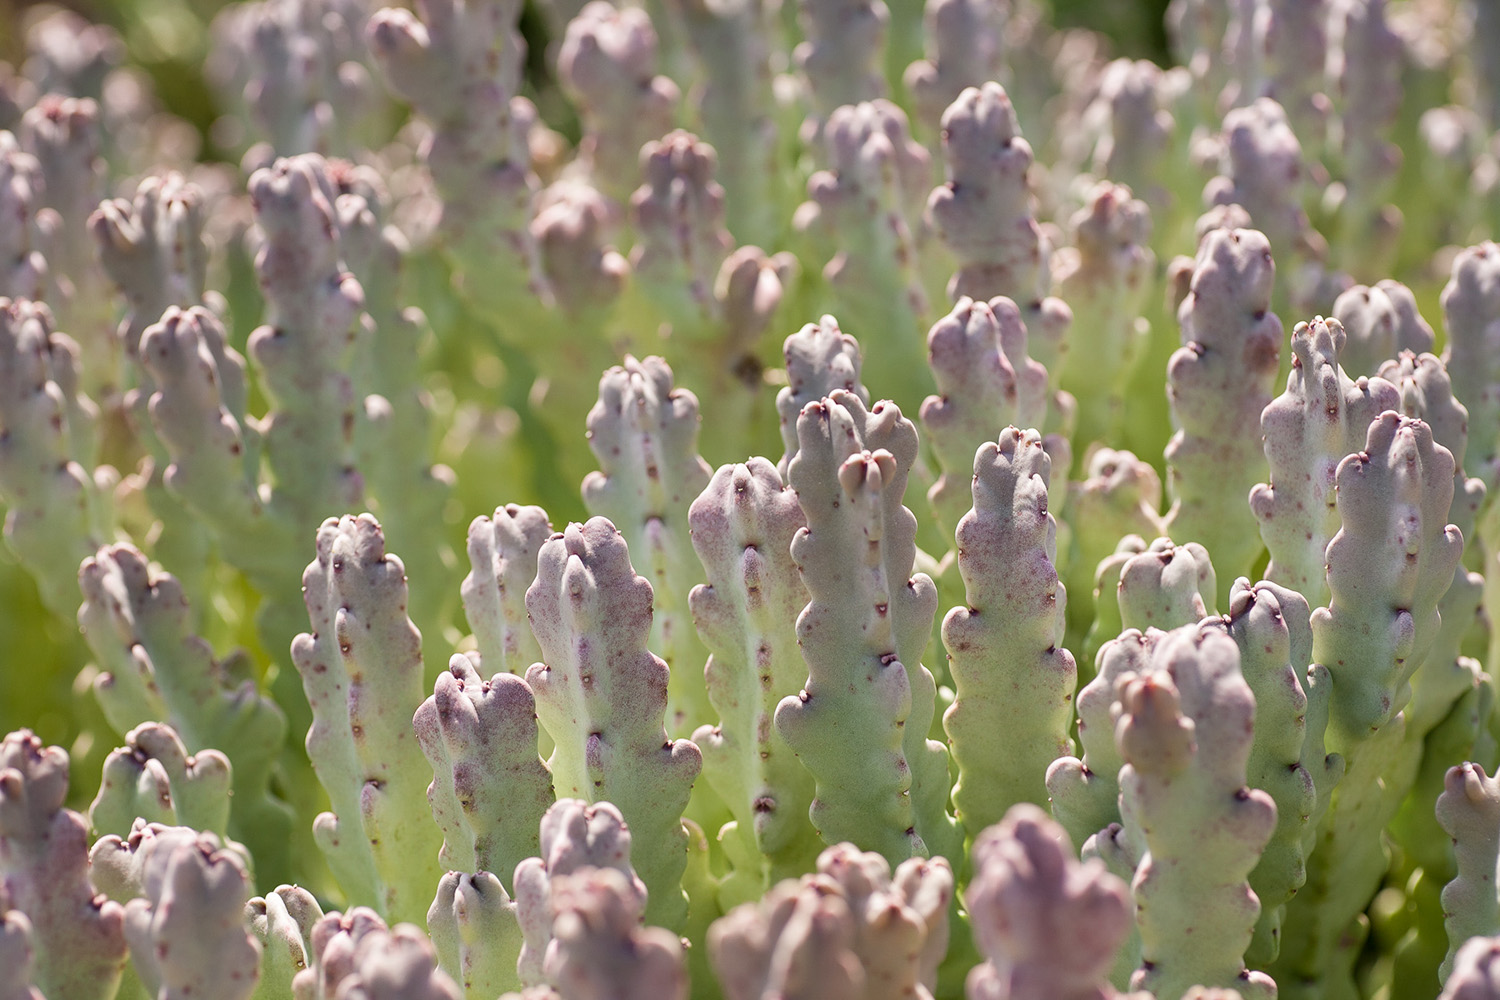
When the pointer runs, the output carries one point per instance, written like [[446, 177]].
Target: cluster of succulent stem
[[728, 500]]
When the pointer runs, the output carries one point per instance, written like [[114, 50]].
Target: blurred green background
[[169, 39]]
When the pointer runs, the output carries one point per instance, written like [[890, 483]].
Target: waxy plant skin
[[687, 500]]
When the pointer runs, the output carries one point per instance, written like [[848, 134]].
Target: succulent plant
[[690, 499]]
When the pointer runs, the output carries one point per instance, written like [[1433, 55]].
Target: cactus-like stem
[[1166, 586], [1049, 927], [1270, 625], [742, 529], [187, 934], [867, 203], [1394, 496], [1185, 730], [738, 110], [901, 916], [502, 556], [17, 956], [1014, 681], [1427, 395], [607, 65], [602, 697], [965, 43], [1476, 971], [198, 406], [1291, 40], [309, 90], [1323, 416], [489, 789], [473, 926], [1388, 567], [117, 865], [64, 134], [1261, 169], [1418, 835], [1085, 790], [840, 57], [1119, 496], [678, 216], [361, 668], [24, 275], [152, 247], [1380, 321], [1105, 279], [282, 921], [408, 490], [198, 410], [378, 963], [599, 949], [574, 836], [797, 941], [335, 939], [460, 67], [56, 508], [571, 228], [852, 929], [1218, 382], [137, 622], [44, 870], [1137, 142], [1471, 304], [819, 359], [986, 381], [154, 778], [304, 351], [1107, 622], [644, 432], [983, 214], [1365, 57], [1180, 269], [881, 783], [1469, 812], [748, 291]]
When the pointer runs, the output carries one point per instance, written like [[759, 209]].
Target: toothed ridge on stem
[[152, 248], [188, 934], [983, 214], [881, 782], [56, 501], [1184, 730], [361, 669], [502, 558], [819, 359], [282, 921], [1322, 416], [601, 694], [1469, 811], [644, 432], [1014, 682], [44, 870], [474, 930], [986, 381], [489, 789], [742, 528], [1218, 383]]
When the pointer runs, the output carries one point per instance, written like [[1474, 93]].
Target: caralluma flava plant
[[739, 500]]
